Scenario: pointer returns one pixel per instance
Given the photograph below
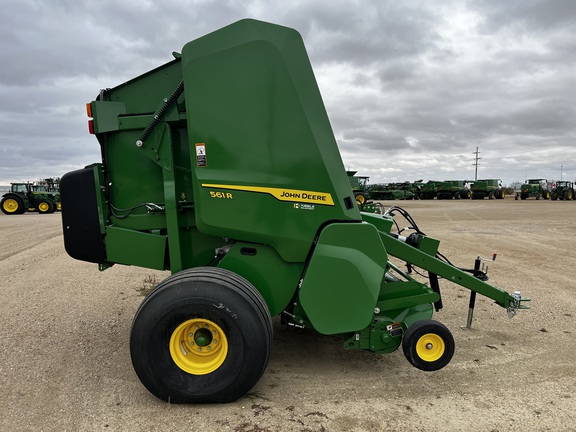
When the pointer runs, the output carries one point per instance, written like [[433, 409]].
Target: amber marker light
[[91, 121]]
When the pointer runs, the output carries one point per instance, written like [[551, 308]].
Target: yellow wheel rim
[[10, 205], [430, 347], [360, 199], [59, 206], [43, 207], [198, 346]]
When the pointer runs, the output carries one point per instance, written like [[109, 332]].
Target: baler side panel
[[267, 154], [341, 285]]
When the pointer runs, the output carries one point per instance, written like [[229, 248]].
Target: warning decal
[[200, 154]]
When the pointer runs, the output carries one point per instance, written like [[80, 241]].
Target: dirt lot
[[65, 364]]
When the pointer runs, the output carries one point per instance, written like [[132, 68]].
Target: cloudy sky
[[412, 88]]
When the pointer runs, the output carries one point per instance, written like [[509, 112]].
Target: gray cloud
[[411, 88]]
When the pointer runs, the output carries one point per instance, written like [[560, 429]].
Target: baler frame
[[197, 177]]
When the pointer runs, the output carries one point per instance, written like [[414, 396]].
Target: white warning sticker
[[201, 154]]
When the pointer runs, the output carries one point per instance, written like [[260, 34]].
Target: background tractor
[[221, 166], [22, 198], [392, 191], [49, 187], [359, 185], [361, 192], [563, 190], [457, 189], [491, 188], [536, 188], [429, 190]]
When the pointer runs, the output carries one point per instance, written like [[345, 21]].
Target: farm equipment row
[[42, 197], [221, 166], [458, 189]]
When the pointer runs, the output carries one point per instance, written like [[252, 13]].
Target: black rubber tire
[[214, 294], [20, 205], [50, 207], [419, 330]]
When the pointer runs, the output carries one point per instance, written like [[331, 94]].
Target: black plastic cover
[[80, 221]]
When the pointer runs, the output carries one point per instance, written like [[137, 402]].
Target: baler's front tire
[[201, 336], [428, 345]]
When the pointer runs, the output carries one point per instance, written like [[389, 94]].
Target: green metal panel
[[268, 154], [342, 282], [135, 248], [261, 265]]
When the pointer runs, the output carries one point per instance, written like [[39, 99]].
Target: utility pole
[[476, 159]]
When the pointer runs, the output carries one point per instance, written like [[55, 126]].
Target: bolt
[[199, 349], [139, 143], [428, 346], [377, 310]]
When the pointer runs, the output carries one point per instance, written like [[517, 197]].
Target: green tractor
[[392, 191], [535, 188], [563, 190], [490, 188], [359, 186], [361, 192], [49, 188], [433, 189], [221, 167], [22, 197], [454, 189]]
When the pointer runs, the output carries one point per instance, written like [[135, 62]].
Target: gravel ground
[[65, 363]]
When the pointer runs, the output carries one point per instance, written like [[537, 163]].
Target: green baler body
[[241, 171]]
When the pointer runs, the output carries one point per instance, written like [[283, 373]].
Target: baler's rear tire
[[201, 336], [428, 345], [12, 205]]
